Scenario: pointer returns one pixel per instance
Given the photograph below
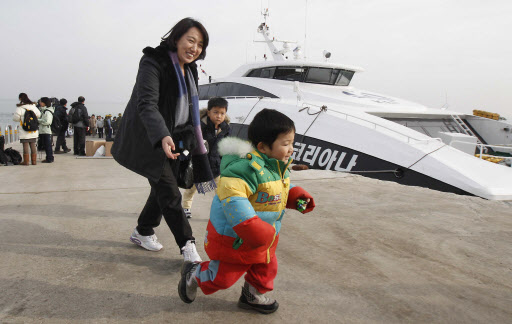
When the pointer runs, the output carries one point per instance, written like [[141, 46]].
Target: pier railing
[[11, 134]]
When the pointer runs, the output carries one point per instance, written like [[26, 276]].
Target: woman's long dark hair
[[173, 36], [46, 101], [24, 100]]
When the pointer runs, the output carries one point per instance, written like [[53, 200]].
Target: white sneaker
[[148, 242], [190, 253], [188, 213]]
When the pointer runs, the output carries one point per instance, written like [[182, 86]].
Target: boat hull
[[324, 155]]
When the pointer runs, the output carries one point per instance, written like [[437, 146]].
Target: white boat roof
[[244, 69]]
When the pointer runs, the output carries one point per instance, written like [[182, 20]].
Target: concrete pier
[[371, 252]]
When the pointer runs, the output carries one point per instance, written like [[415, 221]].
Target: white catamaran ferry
[[345, 129]]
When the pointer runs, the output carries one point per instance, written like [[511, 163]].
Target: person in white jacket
[[27, 138], [45, 130]]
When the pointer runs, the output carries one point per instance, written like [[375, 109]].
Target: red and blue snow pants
[[215, 275]]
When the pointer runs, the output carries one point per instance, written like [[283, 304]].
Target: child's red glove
[[255, 232], [299, 193]]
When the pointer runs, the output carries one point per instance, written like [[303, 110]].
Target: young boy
[[245, 218], [214, 126]]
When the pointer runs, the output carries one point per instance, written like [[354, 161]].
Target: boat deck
[[371, 252]]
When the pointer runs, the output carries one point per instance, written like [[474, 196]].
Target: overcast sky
[[423, 51]]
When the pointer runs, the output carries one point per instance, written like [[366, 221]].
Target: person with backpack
[[45, 130], [27, 114], [61, 114], [79, 117]]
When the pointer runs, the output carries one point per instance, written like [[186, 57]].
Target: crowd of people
[[104, 127], [51, 117]]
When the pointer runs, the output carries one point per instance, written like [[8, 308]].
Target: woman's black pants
[[47, 142], [165, 199]]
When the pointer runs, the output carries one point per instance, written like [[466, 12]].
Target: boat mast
[[264, 30], [277, 55]]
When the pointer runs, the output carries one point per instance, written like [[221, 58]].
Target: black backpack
[[77, 115], [14, 155], [30, 122], [56, 125]]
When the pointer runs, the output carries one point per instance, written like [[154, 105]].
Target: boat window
[[254, 73], [322, 75], [289, 73], [225, 89], [232, 89], [318, 75], [243, 90], [203, 91], [212, 92], [344, 77], [266, 73], [329, 76]]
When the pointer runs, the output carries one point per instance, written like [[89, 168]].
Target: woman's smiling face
[[189, 46]]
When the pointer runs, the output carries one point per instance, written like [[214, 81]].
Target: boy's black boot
[[253, 299], [187, 287]]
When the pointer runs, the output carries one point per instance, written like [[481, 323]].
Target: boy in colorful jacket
[[245, 217]]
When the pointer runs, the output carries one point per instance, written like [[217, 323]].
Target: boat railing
[[483, 148], [11, 134], [243, 97], [370, 124]]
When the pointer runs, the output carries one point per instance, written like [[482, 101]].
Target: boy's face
[[217, 115], [281, 149]]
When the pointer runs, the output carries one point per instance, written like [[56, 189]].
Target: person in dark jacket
[[215, 126], [61, 114], [79, 126], [145, 141]]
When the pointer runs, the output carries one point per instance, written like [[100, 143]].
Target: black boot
[[253, 299]]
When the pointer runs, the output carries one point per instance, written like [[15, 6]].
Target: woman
[[27, 138], [45, 131], [156, 123]]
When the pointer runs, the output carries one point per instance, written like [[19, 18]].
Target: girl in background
[[27, 138]]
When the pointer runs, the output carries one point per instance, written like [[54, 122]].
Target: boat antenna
[[446, 105], [277, 55], [305, 30]]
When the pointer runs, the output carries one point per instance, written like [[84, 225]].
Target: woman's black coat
[[149, 115]]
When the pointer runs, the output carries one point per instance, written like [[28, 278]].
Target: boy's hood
[[233, 148]]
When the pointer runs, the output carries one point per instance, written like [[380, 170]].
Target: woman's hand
[[168, 147]]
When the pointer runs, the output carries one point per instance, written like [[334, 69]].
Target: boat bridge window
[[289, 73], [231, 89], [317, 75]]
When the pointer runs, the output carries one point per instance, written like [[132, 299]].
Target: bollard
[[10, 134], [17, 133]]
